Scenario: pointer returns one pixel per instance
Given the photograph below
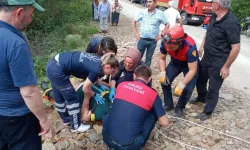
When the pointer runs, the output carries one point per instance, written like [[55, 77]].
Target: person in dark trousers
[[81, 65], [184, 59], [115, 9], [22, 115], [127, 68], [150, 21], [97, 110], [100, 45], [221, 47], [135, 110]]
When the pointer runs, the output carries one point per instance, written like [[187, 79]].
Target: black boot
[[44, 86], [196, 100], [168, 108], [179, 113], [203, 116]]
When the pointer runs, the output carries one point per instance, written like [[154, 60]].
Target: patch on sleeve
[[194, 53]]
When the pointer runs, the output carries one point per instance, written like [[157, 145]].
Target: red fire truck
[[192, 11]]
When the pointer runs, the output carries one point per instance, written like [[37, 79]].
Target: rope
[[234, 137], [187, 145], [181, 143]]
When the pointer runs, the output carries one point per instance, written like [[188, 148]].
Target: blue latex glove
[[112, 94], [103, 87], [99, 100]]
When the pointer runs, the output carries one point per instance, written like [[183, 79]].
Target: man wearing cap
[[133, 115], [184, 57], [22, 115], [127, 68]]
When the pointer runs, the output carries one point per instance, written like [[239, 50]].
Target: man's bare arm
[[88, 93], [191, 73], [33, 99], [180, 22], [233, 55], [162, 62], [201, 49], [135, 30]]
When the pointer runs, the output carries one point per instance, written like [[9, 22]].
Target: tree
[[241, 8]]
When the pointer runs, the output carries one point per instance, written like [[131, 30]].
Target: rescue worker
[[127, 68], [81, 65], [100, 45], [135, 110], [97, 110], [184, 58]]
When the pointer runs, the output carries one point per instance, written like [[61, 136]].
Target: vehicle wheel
[[184, 18]]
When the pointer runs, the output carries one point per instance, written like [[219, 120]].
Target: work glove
[[112, 94], [179, 89], [103, 87], [163, 78], [99, 100]]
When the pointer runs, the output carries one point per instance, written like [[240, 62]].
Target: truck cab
[[192, 11]]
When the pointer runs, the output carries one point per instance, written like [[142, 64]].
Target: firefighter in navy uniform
[[184, 58], [133, 115]]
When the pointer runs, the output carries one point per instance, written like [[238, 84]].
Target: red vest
[[181, 54], [137, 93]]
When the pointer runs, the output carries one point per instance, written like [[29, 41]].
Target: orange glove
[[163, 78], [179, 88]]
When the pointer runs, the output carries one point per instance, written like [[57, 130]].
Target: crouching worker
[[81, 65], [135, 110], [97, 110], [184, 58]]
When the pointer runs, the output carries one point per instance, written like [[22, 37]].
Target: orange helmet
[[174, 35]]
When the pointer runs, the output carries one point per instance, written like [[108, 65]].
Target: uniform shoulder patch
[[194, 53]]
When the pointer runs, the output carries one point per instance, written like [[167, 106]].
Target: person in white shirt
[[172, 15]]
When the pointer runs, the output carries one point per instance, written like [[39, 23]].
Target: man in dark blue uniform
[[184, 58], [81, 65], [100, 45], [133, 115]]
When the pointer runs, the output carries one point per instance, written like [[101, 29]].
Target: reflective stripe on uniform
[[60, 105], [75, 105], [61, 110], [72, 112]]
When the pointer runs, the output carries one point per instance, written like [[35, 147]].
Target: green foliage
[[241, 8], [65, 25], [74, 41], [60, 12]]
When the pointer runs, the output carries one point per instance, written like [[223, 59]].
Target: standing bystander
[[103, 13], [221, 46], [150, 21], [22, 115]]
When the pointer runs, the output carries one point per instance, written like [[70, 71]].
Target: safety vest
[[181, 53]]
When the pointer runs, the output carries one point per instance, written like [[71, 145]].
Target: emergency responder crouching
[[81, 65], [184, 57], [133, 115]]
